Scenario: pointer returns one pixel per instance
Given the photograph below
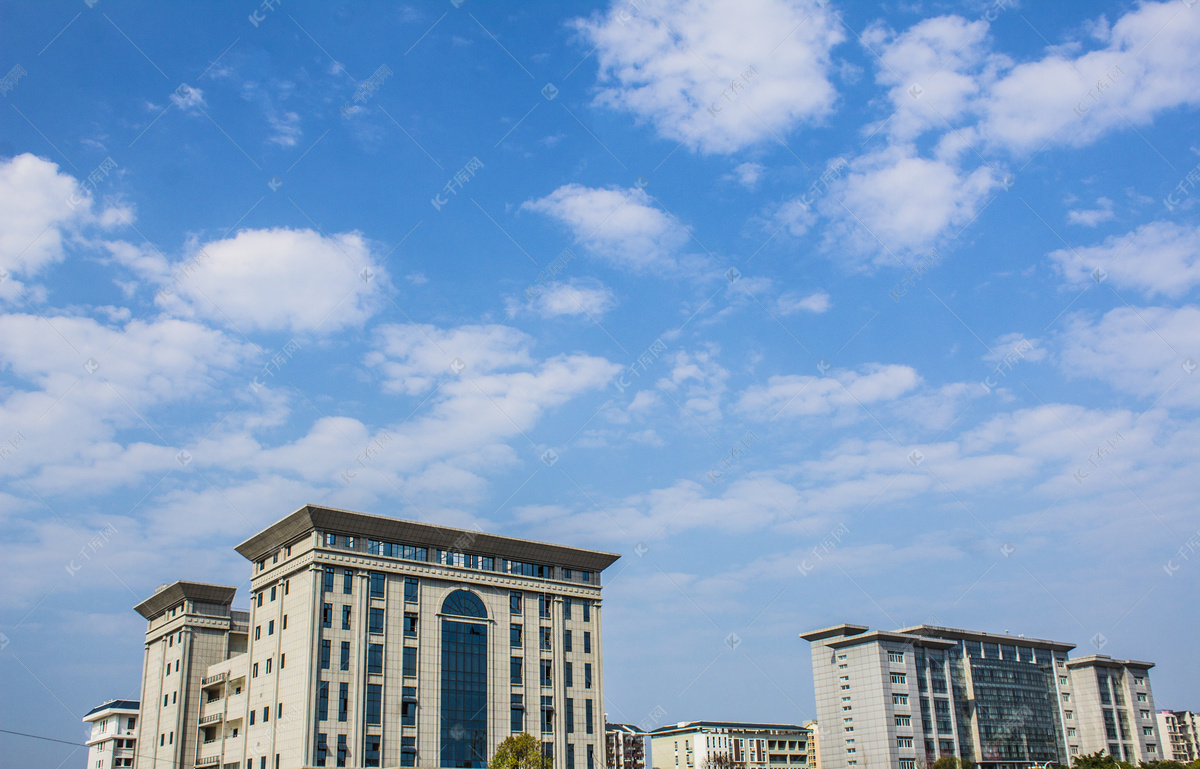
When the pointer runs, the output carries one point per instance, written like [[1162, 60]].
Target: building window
[[374, 704], [899, 699], [327, 615], [1069, 714], [514, 635], [899, 678], [547, 714], [375, 620], [375, 659], [345, 618], [322, 700], [283, 626], [1066, 696], [591, 755], [567, 605], [514, 603], [343, 700], [345, 655], [546, 668], [904, 742], [378, 580], [567, 640], [587, 608], [272, 592], [347, 581], [253, 671], [409, 668], [903, 720], [569, 714], [544, 635], [341, 751], [325, 653], [410, 624], [328, 585], [908, 763], [371, 750], [568, 678], [571, 756], [408, 706], [587, 715], [257, 633], [514, 667], [587, 642], [587, 675], [1145, 715], [517, 717], [1138, 681], [895, 656], [271, 627], [1142, 697], [408, 751], [411, 588], [464, 710]]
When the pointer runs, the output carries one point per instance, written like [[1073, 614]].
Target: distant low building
[[814, 744], [729, 745], [624, 746], [1114, 708], [114, 734], [1180, 732]]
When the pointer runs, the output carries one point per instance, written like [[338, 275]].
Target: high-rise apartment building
[[113, 738], [728, 745], [911, 696], [1180, 732], [1114, 707], [624, 746], [378, 642]]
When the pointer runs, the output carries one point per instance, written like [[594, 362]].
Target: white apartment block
[[377, 642], [1180, 731], [113, 737], [728, 745], [624, 746], [904, 698], [1114, 706]]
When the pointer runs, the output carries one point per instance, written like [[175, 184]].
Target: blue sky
[[815, 312]]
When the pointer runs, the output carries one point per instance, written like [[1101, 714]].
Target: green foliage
[[520, 751], [1099, 760]]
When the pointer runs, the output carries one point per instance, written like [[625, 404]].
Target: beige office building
[[1180, 731], [1114, 708], [378, 642], [728, 745]]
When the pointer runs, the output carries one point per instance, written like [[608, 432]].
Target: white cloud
[[41, 209], [1163, 258], [793, 302], [1090, 217], [621, 226], [412, 358], [1144, 351], [748, 174], [280, 279], [668, 62], [793, 395], [188, 99], [894, 203], [584, 296]]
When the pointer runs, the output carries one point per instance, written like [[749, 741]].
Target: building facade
[[814, 744], [904, 699], [114, 735], [1114, 707], [728, 745], [624, 746], [1180, 732], [378, 642]]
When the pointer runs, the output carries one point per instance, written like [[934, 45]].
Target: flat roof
[[113, 705], [169, 595], [730, 725], [1104, 660], [928, 642], [828, 632], [984, 637], [315, 518]]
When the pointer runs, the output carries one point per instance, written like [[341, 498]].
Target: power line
[[38, 737]]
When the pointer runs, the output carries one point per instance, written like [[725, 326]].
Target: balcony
[[214, 679], [211, 718], [212, 760]]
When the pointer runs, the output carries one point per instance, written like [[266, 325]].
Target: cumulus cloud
[[793, 302], [620, 226], [748, 174], [279, 279], [1162, 258], [41, 210], [581, 296], [793, 395], [1090, 217], [668, 63], [188, 99]]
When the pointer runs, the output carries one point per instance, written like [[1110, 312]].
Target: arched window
[[462, 603]]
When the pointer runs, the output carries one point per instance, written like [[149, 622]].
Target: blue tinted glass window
[[464, 713], [462, 603]]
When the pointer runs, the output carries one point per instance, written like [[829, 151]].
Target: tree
[[1099, 760], [945, 762], [520, 751], [718, 761]]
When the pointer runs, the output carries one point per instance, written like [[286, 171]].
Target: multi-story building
[[727, 745], [189, 626], [378, 642], [1114, 706], [624, 746], [1004, 702], [1180, 734], [814, 744], [113, 735]]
